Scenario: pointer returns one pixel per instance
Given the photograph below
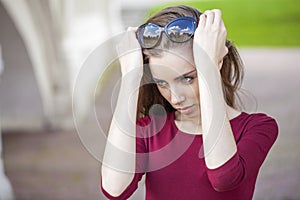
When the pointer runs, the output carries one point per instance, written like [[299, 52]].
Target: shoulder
[[155, 118], [154, 122], [143, 121], [255, 125], [254, 119]]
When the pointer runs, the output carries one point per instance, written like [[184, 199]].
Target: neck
[[188, 124], [194, 119], [192, 124]]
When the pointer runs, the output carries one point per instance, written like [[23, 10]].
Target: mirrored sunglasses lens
[[181, 30], [151, 34]]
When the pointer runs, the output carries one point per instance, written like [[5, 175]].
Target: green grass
[[273, 23]]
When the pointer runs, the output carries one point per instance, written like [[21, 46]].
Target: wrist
[[133, 77], [134, 71]]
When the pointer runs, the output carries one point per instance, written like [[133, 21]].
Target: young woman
[[199, 146]]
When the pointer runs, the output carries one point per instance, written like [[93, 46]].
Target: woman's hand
[[210, 35], [130, 54]]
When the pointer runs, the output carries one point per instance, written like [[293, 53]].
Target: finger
[[128, 33], [128, 42], [223, 28], [217, 17], [219, 21], [209, 17], [202, 21], [132, 29]]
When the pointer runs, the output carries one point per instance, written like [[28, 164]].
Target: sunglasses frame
[[140, 34]]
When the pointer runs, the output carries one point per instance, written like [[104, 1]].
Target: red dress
[[175, 168]]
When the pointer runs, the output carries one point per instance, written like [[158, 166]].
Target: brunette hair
[[231, 71]]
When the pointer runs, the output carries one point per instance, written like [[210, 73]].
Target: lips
[[185, 110]]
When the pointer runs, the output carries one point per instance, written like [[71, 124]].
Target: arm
[[209, 50], [228, 164], [118, 169], [259, 134]]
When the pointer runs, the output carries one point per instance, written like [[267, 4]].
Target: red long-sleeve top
[[175, 168]]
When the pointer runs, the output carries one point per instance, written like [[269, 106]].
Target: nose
[[177, 97]]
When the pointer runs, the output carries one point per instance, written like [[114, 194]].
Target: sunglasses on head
[[178, 30]]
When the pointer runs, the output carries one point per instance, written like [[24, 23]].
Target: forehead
[[172, 64]]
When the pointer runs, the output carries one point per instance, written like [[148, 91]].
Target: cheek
[[165, 93], [194, 91]]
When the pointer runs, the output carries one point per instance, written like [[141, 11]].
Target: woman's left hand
[[210, 35]]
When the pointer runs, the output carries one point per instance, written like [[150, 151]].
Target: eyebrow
[[179, 77]]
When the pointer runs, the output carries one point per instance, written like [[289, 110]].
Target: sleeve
[[141, 162], [257, 139]]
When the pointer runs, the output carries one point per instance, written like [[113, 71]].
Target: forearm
[[119, 158], [219, 143]]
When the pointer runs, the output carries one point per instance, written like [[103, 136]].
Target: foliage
[[255, 22]]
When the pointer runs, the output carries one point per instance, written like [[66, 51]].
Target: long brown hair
[[231, 72]]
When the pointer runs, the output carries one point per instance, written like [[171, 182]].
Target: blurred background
[[44, 44]]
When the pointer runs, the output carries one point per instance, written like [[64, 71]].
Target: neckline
[[177, 129], [174, 124]]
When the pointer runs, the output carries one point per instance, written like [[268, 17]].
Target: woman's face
[[175, 74]]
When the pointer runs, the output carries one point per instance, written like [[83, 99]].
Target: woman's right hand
[[130, 53]]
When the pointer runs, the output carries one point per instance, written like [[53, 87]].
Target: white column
[[41, 34], [87, 24], [6, 192]]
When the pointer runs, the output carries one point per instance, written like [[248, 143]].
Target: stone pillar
[[87, 24], [37, 24], [6, 192], [59, 35]]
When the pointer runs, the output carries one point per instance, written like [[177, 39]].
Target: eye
[[187, 79], [162, 84]]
